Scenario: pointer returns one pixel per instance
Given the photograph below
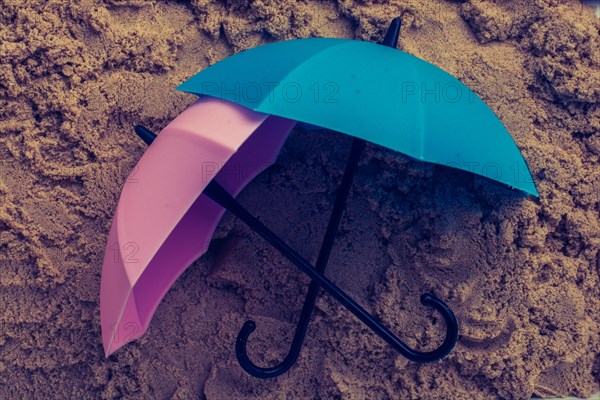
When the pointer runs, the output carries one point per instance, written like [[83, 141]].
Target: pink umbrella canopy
[[163, 222]]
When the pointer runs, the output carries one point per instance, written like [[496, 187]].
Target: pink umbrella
[[191, 176], [163, 221]]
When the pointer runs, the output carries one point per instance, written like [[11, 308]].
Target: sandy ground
[[521, 276]]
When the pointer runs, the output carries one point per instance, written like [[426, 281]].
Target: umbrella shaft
[[340, 203], [313, 290], [332, 228]]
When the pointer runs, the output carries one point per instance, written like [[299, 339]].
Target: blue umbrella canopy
[[373, 92]]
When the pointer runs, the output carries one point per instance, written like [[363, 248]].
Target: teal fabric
[[373, 92]]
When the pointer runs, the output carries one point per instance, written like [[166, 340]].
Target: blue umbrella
[[373, 93]]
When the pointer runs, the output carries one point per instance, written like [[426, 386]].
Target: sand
[[521, 275]]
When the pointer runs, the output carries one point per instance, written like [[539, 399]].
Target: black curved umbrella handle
[[427, 299]]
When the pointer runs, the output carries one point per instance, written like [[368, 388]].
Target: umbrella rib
[[259, 106]]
